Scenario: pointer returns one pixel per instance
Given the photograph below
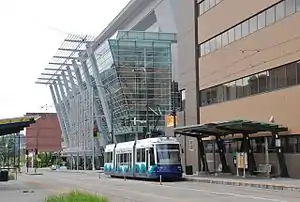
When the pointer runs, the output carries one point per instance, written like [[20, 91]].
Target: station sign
[[170, 120]]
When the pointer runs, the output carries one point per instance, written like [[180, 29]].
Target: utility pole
[[174, 93], [146, 84], [135, 118]]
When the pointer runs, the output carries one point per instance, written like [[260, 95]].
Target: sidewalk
[[256, 182]]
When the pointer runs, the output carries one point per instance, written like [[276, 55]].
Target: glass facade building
[[135, 71]]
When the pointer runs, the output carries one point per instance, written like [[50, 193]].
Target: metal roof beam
[[53, 79], [65, 57], [78, 41], [59, 63], [43, 83], [47, 74], [70, 49]]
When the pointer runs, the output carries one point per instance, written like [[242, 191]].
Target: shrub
[[77, 196]]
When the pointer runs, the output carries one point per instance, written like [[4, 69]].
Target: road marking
[[225, 193], [112, 180]]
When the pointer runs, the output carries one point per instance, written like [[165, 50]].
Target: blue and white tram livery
[[148, 158]]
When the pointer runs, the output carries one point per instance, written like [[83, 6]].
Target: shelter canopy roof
[[15, 125], [229, 127]]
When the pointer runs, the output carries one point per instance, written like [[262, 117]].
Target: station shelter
[[12, 126], [230, 130]]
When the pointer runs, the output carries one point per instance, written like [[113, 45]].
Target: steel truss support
[[97, 103], [95, 110], [64, 116], [60, 117], [100, 89]]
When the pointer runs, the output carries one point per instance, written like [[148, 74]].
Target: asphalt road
[[119, 190]]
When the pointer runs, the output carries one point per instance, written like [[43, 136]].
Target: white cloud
[[31, 31]]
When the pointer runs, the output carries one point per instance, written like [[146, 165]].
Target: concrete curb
[[247, 184]]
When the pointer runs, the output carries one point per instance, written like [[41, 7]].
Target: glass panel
[[232, 90], [231, 35], [238, 31], [298, 72], [202, 50], [214, 97], [291, 74], [263, 84], [212, 44], [219, 42], [224, 39], [239, 88], [246, 89], [201, 8], [245, 28], [297, 5], [220, 93], [206, 5], [226, 92], [208, 96], [253, 24], [212, 3], [270, 16], [280, 77], [206, 47], [253, 83], [272, 79], [203, 98], [290, 7], [280, 11], [262, 20]]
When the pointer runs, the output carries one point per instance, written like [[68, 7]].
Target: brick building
[[45, 134]]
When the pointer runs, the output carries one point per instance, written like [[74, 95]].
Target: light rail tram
[[147, 158]]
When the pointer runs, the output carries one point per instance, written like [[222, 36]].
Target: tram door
[[147, 159]]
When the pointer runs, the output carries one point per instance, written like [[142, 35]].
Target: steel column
[[221, 148], [282, 165], [60, 117], [64, 114], [101, 92], [202, 156], [246, 147], [96, 107]]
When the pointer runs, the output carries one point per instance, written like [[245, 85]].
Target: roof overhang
[[134, 6], [228, 128], [15, 125]]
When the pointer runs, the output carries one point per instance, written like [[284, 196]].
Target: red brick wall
[[45, 134]]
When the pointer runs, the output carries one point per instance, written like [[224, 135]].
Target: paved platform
[[263, 183]]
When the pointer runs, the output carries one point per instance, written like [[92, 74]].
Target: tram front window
[[168, 154]]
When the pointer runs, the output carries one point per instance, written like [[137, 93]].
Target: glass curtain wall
[[136, 68]]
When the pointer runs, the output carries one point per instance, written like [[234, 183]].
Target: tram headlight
[[179, 168]]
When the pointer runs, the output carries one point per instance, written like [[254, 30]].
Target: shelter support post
[[221, 148], [202, 156], [282, 165], [246, 147]]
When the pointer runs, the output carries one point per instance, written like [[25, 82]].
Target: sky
[[31, 32]]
